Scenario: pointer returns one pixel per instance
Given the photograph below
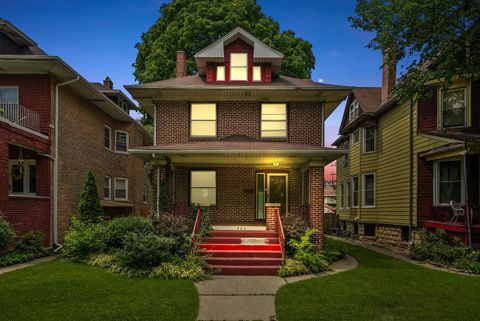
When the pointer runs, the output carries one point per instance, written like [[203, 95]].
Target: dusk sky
[[97, 38]]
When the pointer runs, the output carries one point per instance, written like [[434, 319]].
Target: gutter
[[55, 163], [410, 182], [232, 151]]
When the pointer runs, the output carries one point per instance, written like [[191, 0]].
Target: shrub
[[90, 209], [116, 229], [293, 227], [293, 267], [31, 242], [191, 268], [83, 239], [175, 227], [6, 233], [15, 258], [304, 251]]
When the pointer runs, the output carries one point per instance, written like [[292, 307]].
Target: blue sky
[[97, 38]]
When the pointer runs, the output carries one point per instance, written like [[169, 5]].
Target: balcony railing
[[19, 114]]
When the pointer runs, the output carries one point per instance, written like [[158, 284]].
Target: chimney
[[181, 68], [389, 76], [108, 83]]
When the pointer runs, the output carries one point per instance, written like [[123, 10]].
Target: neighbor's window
[[257, 73], [121, 141], [107, 140], [203, 188], [274, 120], [369, 134], [353, 110], [107, 187], [238, 66], [355, 191], [453, 107], [368, 190], [355, 137], [9, 94], [342, 195], [220, 73], [22, 177], [203, 120], [449, 182], [121, 189]]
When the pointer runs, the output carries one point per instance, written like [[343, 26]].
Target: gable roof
[[25, 43]]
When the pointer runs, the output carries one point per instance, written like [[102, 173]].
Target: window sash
[[369, 137], [10, 94], [355, 137], [274, 120], [449, 182], [203, 188], [369, 190], [239, 66], [454, 112], [27, 184], [353, 110], [107, 187], [121, 141], [257, 73], [203, 120], [342, 195], [121, 189], [355, 192], [220, 73], [107, 141]]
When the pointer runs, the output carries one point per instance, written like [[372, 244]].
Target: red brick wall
[[316, 202]]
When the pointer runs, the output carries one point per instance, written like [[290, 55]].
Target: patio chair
[[457, 211]]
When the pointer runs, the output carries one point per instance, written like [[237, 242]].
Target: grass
[[61, 290], [381, 288]]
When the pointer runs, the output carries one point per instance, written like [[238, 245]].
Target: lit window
[[257, 73], [353, 110], [369, 139], [449, 185], [203, 120], [203, 188], [107, 187], [369, 190], [453, 107], [238, 66], [9, 94], [121, 141], [355, 191], [274, 120], [22, 177], [355, 137], [107, 140], [121, 189], [220, 73]]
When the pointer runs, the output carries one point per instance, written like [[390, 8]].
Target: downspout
[[55, 164], [467, 208], [410, 183]]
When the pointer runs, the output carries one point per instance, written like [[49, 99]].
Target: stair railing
[[196, 229], [281, 235]]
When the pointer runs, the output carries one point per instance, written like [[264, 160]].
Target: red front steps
[[243, 252]]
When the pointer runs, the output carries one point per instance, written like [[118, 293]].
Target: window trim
[[286, 121], [348, 185], [355, 110], [145, 194], [436, 182], [190, 185], [110, 129], [190, 121], [128, 141], [353, 192], [109, 187], [126, 189], [246, 66], [364, 190], [18, 92], [364, 140], [357, 131], [441, 92], [26, 178]]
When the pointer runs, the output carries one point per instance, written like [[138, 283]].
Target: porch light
[[276, 165]]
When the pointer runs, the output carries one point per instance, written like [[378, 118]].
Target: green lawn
[[61, 290], [381, 288]]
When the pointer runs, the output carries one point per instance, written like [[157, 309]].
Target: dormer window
[[238, 67], [220, 73], [257, 73], [353, 110]]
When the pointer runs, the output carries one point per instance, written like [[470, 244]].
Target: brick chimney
[[389, 76], [181, 67], [108, 83]]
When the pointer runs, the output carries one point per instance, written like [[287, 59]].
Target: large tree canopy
[[193, 25], [433, 39]]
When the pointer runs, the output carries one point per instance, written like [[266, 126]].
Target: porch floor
[[458, 227]]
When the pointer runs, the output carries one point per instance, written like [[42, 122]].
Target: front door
[[271, 188]]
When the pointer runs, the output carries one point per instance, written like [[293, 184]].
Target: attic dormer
[[238, 57]]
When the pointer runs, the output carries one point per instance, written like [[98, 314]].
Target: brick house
[[239, 137], [54, 127]]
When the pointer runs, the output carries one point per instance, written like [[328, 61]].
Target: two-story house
[[54, 127], [407, 161], [239, 137]]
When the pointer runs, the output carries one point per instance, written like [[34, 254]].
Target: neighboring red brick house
[[54, 127], [238, 137]]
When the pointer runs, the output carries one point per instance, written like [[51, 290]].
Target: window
[[203, 120], [369, 134], [369, 190], [238, 66], [121, 141], [220, 73], [369, 230], [23, 177], [145, 194], [347, 196], [355, 191], [121, 189], [9, 94], [453, 107], [353, 110], [257, 73], [342, 195], [107, 140], [203, 188], [355, 137], [449, 185], [107, 187], [274, 120]]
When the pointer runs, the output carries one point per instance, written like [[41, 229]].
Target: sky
[[97, 38]]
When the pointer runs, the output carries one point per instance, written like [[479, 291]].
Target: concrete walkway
[[19, 266], [234, 298]]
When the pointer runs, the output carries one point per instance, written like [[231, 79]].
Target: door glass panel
[[260, 196], [278, 189]]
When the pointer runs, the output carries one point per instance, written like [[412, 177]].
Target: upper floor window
[[369, 134], [121, 189], [453, 107], [368, 190], [274, 120], [239, 66], [22, 177], [203, 120], [355, 137], [107, 139], [121, 141], [9, 94], [203, 188], [353, 110], [220, 73], [448, 182], [107, 187], [257, 73]]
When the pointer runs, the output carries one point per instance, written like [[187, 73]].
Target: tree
[[433, 39], [90, 209]]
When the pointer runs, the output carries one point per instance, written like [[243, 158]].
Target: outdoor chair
[[457, 211]]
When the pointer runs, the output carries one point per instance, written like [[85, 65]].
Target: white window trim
[[436, 182], [192, 120], [128, 141], [351, 111], [238, 53], [109, 187], [353, 191], [261, 122], [364, 140], [364, 190], [18, 92], [26, 179], [110, 128], [126, 189], [440, 93]]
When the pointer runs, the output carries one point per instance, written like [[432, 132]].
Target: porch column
[[158, 175], [270, 209], [315, 212]]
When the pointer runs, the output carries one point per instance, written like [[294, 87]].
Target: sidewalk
[[19, 266]]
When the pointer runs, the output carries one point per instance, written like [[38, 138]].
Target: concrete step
[[224, 233], [241, 240], [241, 253], [244, 247], [259, 227], [246, 270], [245, 261]]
